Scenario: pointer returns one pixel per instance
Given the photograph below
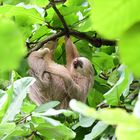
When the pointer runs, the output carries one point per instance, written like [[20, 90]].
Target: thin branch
[[54, 28], [24, 118], [79, 22], [60, 16]]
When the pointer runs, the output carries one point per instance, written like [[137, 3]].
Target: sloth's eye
[[77, 63]]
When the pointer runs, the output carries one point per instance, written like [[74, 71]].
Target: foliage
[[112, 109]]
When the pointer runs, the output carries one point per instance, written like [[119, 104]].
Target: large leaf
[[16, 132], [71, 2], [20, 89], [41, 3], [52, 129], [15, 1], [113, 95], [128, 132], [95, 97], [54, 112], [46, 106], [116, 116], [68, 15], [39, 33], [127, 124], [84, 49], [5, 101], [85, 121], [102, 61], [111, 18], [11, 45], [11, 10], [24, 17], [130, 50], [6, 128], [98, 129]]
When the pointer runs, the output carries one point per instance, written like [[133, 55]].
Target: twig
[[24, 118], [54, 28]]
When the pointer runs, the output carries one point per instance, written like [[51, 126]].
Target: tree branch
[[40, 44], [60, 16], [97, 42]]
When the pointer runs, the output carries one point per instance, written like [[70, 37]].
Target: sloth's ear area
[[71, 51]]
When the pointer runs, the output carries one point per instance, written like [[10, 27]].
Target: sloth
[[59, 82]]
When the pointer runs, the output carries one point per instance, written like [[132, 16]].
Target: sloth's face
[[77, 63], [82, 65]]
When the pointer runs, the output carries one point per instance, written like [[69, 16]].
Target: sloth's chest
[[77, 79]]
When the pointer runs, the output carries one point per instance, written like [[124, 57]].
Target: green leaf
[[46, 106], [6, 128], [41, 3], [128, 132], [127, 124], [111, 18], [3, 103], [71, 2], [68, 15], [113, 78], [18, 131], [20, 89], [56, 132], [84, 49], [113, 95], [97, 130], [11, 44], [102, 61], [32, 14], [52, 129], [24, 18], [50, 14], [108, 49], [27, 107], [95, 97], [15, 1], [67, 10], [53, 112], [85, 121], [129, 46], [116, 116], [100, 85], [6, 99], [39, 33]]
